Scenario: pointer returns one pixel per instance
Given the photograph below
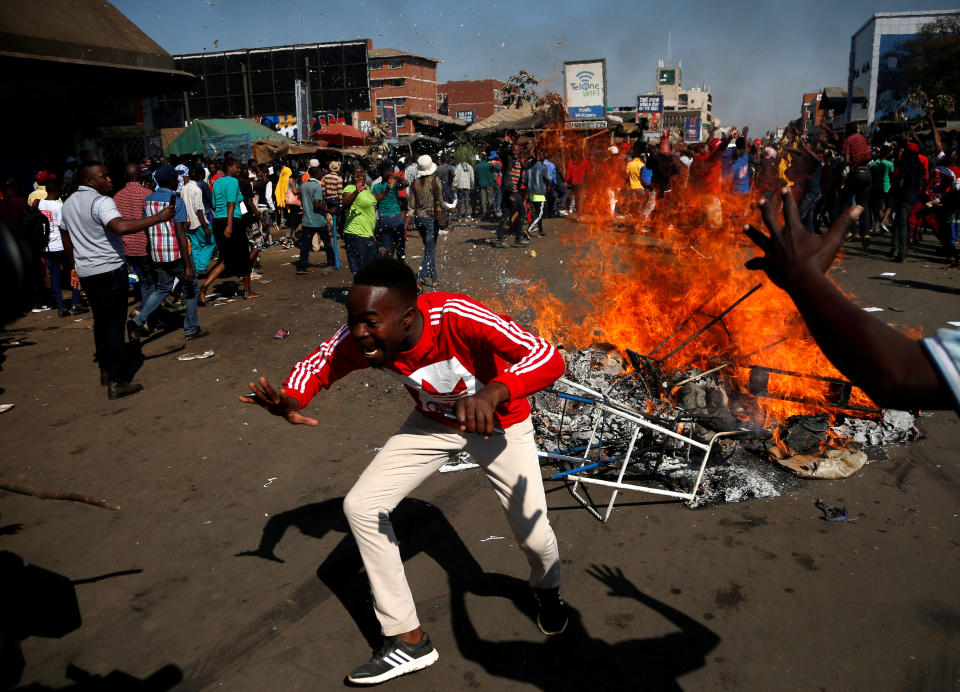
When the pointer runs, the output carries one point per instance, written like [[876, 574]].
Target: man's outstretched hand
[[790, 252], [277, 403]]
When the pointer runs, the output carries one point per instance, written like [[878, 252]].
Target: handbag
[[291, 198], [439, 211]]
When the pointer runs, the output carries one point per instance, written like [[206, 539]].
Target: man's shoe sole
[[559, 631], [408, 667]]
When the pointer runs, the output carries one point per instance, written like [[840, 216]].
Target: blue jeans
[[166, 273], [306, 244], [146, 277], [360, 250], [392, 235], [428, 233], [463, 202], [52, 260]]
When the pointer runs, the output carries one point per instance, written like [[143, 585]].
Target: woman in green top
[[881, 169], [229, 232]]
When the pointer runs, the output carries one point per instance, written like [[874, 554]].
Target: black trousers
[[859, 182], [107, 294]]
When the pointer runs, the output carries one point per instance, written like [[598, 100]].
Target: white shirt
[[51, 208], [192, 196]]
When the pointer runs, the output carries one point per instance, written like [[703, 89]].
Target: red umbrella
[[340, 135]]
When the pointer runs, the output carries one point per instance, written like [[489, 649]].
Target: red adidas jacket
[[464, 347]]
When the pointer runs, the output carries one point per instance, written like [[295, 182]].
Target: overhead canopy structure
[[272, 149], [440, 118], [522, 118], [191, 140]]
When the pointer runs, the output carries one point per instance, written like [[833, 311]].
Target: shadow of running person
[[419, 527], [37, 602], [575, 660]]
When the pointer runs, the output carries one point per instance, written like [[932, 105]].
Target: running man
[[469, 372]]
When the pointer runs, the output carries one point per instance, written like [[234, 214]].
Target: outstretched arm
[[890, 367], [277, 403]]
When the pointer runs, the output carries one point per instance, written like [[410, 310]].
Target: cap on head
[[334, 166], [43, 176], [165, 174], [314, 163]]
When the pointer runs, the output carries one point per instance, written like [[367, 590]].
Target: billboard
[[389, 111], [650, 108], [692, 129], [585, 83]]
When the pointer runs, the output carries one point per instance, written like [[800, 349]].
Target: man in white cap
[[424, 193]]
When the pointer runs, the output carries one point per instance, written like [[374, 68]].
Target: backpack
[[646, 176], [34, 227]]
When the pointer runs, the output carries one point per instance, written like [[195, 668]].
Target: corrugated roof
[[394, 53], [439, 118], [90, 32]]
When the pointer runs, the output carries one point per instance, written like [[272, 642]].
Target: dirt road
[[760, 595]]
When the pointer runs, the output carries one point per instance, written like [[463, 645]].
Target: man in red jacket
[[469, 372]]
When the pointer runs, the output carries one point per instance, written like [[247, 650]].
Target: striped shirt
[[463, 347], [332, 185]]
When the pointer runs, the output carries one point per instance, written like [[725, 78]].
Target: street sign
[[585, 124], [586, 88]]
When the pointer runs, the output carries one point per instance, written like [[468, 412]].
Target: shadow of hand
[[10, 529], [261, 554], [613, 579]]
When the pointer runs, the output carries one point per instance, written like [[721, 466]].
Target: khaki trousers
[[418, 449]]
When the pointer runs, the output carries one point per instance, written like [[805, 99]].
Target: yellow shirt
[[635, 173], [39, 193]]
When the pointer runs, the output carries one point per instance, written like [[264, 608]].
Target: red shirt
[[129, 201], [577, 172], [855, 146], [464, 347]]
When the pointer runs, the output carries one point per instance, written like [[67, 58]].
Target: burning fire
[[636, 282]]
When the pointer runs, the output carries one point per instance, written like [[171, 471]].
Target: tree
[[519, 90], [927, 77]]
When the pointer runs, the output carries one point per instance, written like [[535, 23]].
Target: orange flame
[[636, 280]]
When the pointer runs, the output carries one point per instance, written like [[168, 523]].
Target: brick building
[[407, 80], [473, 99]]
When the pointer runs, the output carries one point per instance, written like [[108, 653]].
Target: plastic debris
[[491, 538], [281, 334], [873, 309], [269, 481], [831, 513], [195, 356], [6, 407]]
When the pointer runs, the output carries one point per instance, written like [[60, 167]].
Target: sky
[[757, 56]]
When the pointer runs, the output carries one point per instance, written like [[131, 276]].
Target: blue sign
[[469, 116], [582, 112]]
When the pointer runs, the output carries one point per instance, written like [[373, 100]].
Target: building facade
[[406, 80], [470, 99], [680, 103], [874, 62]]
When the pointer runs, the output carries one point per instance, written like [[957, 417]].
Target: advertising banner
[[469, 116], [692, 129], [650, 107], [389, 110], [300, 99], [586, 89]]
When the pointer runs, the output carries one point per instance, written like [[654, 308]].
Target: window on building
[[397, 82], [376, 64], [401, 121], [376, 83], [395, 63]]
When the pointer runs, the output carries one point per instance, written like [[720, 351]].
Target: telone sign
[[585, 83]]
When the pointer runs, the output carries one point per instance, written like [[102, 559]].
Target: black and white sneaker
[[395, 658], [552, 616]]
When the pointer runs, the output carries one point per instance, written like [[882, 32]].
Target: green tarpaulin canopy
[[191, 140]]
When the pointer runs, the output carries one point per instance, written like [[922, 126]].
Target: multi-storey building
[[407, 80], [470, 99]]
